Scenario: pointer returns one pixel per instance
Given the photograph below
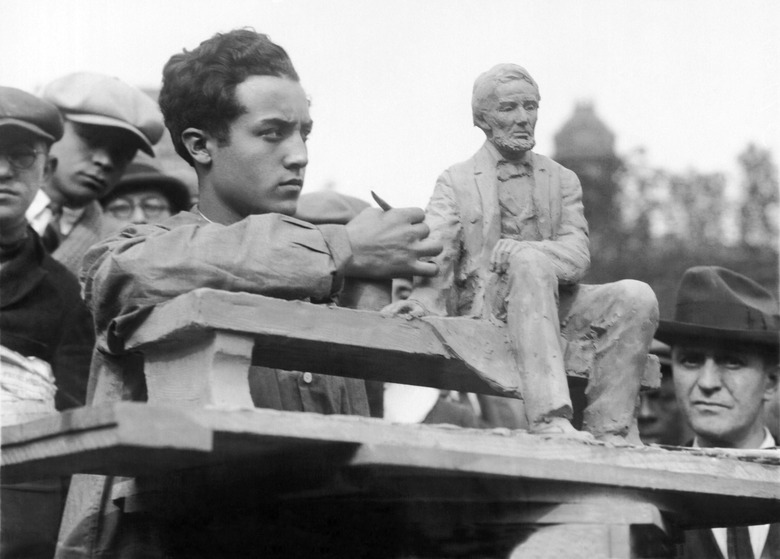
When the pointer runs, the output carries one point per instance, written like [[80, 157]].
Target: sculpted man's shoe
[[619, 440], [559, 426]]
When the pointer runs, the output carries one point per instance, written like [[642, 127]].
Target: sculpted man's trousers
[[602, 330]]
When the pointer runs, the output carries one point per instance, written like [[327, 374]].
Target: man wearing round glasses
[[143, 195], [42, 315]]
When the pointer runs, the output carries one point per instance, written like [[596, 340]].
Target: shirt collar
[[768, 442], [39, 214]]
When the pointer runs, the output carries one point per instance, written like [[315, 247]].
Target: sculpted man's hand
[[408, 309], [499, 260], [393, 243]]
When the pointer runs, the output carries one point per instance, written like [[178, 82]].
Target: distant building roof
[[584, 135]]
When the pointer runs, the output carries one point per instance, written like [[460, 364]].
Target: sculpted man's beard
[[514, 146]]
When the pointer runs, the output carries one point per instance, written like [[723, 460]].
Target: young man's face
[[722, 393], [261, 169], [511, 115], [91, 160], [24, 168], [660, 420]]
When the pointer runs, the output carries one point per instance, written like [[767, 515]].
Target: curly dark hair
[[199, 86]]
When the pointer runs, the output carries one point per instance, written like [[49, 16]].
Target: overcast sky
[[691, 81]]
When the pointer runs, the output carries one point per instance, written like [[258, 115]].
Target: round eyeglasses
[[21, 157], [152, 207]]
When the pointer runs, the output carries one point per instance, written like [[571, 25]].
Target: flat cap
[[107, 101], [25, 110]]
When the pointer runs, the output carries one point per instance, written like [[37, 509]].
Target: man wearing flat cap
[[724, 340], [42, 315], [106, 123]]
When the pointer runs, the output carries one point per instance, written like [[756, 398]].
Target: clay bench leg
[[209, 371], [598, 531]]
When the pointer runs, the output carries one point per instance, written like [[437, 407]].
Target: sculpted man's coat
[[464, 214]]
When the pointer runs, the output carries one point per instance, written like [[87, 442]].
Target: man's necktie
[[51, 235], [506, 170], [738, 543]]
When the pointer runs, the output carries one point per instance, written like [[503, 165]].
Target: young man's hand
[[392, 243]]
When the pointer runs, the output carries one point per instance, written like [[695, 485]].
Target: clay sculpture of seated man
[[515, 249]]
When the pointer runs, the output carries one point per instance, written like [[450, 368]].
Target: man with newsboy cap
[[724, 340], [106, 122], [42, 314]]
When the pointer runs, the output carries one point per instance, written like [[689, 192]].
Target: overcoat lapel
[[542, 197], [485, 176]]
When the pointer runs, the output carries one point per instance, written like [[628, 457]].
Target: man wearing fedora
[[724, 340], [145, 194], [106, 122]]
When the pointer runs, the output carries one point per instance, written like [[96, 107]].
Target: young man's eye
[[271, 134]]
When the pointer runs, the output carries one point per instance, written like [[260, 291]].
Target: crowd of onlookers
[[93, 233]]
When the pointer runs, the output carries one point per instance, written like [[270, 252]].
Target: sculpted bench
[[360, 486], [198, 347]]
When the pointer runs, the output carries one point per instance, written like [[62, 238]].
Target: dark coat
[[42, 315]]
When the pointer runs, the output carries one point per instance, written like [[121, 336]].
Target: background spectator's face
[[147, 205], [660, 418], [24, 168], [511, 115], [402, 289], [91, 160], [722, 392], [262, 167]]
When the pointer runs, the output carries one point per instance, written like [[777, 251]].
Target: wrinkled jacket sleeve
[[73, 355], [442, 215], [274, 255], [569, 251]]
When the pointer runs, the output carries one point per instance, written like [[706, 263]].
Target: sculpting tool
[[382, 204]]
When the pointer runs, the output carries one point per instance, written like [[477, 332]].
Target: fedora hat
[[143, 173], [716, 303]]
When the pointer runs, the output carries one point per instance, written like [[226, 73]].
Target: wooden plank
[[454, 353], [424, 459], [85, 440]]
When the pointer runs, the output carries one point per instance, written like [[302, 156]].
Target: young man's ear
[[196, 143]]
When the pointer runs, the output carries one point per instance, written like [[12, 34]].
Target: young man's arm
[[270, 254]]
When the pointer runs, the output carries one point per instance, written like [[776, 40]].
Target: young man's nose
[[297, 155], [646, 407], [103, 158]]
